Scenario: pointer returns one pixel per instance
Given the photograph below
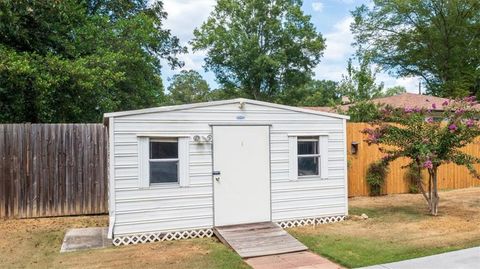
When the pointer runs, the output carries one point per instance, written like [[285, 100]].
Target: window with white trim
[[308, 155], [308, 162], [163, 161]]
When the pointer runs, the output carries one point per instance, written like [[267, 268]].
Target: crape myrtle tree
[[413, 134], [259, 48]]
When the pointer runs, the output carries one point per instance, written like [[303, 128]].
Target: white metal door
[[241, 165]]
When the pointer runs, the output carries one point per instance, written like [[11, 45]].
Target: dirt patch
[[160, 255], [35, 243], [32, 242]]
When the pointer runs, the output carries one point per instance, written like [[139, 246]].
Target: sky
[[331, 18]]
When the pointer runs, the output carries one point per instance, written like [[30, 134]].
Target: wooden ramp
[[258, 239]]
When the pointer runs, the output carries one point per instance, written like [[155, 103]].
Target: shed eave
[[106, 116]]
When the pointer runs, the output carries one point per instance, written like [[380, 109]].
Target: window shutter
[[293, 163], [323, 144], [143, 164], [184, 161]]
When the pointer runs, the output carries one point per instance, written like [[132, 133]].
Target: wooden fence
[[450, 176], [61, 169], [53, 169]]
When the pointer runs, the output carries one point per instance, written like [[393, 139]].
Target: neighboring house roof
[[217, 103], [410, 100]]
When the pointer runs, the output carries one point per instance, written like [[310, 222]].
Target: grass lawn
[[398, 228]]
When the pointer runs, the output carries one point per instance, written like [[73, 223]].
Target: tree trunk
[[434, 199]]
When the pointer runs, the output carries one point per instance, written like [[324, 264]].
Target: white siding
[[179, 208]]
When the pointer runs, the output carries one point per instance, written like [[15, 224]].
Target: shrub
[[414, 178], [376, 174]]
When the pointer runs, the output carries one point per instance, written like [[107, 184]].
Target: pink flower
[[434, 106], [459, 111], [453, 127], [470, 98], [445, 103], [367, 131], [429, 120], [470, 123], [428, 164], [408, 110]]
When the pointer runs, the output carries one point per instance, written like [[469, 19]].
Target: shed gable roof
[[218, 103]]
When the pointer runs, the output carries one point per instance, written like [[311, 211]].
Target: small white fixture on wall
[[202, 139]]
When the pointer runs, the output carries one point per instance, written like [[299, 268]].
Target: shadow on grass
[[391, 213]]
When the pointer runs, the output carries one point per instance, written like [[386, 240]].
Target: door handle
[[216, 175]]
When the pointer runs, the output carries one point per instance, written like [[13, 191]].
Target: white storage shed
[[178, 171]]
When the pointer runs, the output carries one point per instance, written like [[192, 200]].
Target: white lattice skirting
[[310, 221], [169, 236]]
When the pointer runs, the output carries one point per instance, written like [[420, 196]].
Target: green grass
[[390, 234], [219, 256], [357, 252]]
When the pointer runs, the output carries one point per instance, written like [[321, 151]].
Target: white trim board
[[222, 102]]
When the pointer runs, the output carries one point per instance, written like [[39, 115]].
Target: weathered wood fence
[[53, 169], [450, 176]]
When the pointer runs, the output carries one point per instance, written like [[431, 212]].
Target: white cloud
[[317, 6], [410, 83], [339, 49], [346, 1], [337, 52], [183, 17], [339, 41], [186, 15], [193, 60]]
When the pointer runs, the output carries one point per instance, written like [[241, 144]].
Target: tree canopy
[[434, 39], [395, 90], [359, 84], [312, 93], [188, 87], [259, 47], [71, 61]]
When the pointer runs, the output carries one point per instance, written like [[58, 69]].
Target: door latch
[[216, 175]]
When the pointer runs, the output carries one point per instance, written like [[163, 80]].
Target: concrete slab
[[295, 260], [460, 259], [85, 238]]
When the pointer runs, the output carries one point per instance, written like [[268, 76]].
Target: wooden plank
[[52, 169], [258, 239], [9, 178], [3, 173], [243, 227]]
